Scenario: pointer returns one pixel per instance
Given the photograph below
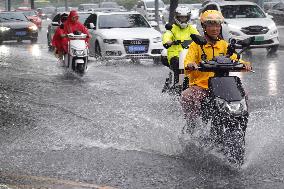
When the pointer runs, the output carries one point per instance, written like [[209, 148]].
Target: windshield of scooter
[[228, 88]]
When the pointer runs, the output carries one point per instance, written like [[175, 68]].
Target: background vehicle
[[55, 23], [46, 12], [277, 11], [147, 8], [246, 19], [110, 4], [15, 26], [123, 35], [268, 4], [32, 15], [41, 14], [87, 6]]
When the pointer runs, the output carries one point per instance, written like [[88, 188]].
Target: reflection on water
[[35, 50], [272, 78], [4, 50]]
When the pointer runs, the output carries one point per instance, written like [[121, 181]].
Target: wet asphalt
[[113, 127]]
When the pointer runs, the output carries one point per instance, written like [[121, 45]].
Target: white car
[[117, 35], [246, 19]]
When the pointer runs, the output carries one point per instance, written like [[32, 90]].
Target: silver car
[[246, 19]]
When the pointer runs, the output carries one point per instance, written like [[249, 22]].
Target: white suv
[[117, 35], [246, 19], [147, 8]]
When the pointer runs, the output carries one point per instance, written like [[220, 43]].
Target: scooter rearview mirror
[[198, 39]]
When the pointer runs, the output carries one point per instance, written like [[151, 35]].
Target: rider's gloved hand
[[191, 66], [168, 44]]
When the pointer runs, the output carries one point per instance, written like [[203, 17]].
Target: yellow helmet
[[211, 16]]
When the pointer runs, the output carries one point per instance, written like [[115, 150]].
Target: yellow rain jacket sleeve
[[175, 34], [194, 56]]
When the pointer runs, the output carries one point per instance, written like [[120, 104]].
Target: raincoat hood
[[72, 14]]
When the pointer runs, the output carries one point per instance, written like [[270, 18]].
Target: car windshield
[[29, 13], [151, 4], [49, 9], [12, 17], [242, 11], [122, 21], [187, 5], [89, 6], [109, 5]]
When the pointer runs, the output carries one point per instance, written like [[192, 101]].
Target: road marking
[[46, 182]]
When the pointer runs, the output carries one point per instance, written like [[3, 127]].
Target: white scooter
[[78, 53], [182, 84]]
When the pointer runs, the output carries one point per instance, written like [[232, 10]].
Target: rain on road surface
[[114, 127]]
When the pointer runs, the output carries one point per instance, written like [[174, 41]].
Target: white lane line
[[46, 181]]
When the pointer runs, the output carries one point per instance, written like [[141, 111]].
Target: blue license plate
[[21, 33], [136, 48]]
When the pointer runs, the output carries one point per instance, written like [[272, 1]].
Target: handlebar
[[185, 44], [73, 36], [220, 64]]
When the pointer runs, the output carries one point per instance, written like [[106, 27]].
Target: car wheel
[[98, 53], [273, 49], [34, 40]]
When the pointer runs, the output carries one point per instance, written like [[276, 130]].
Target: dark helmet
[[63, 17]]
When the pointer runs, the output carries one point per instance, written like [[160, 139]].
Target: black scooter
[[226, 105]]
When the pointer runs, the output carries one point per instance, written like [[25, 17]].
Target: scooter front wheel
[[81, 68]]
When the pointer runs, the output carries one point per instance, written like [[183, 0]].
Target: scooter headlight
[[233, 107], [78, 52]]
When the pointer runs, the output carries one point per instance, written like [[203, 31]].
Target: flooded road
[[113, 127]]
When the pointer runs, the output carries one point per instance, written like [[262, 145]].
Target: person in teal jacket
[[179, 31]]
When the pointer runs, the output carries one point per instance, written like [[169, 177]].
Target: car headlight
[[3, 29], [234, 33], [274, 32], [110, 41], [157, 39], [33, 28]]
